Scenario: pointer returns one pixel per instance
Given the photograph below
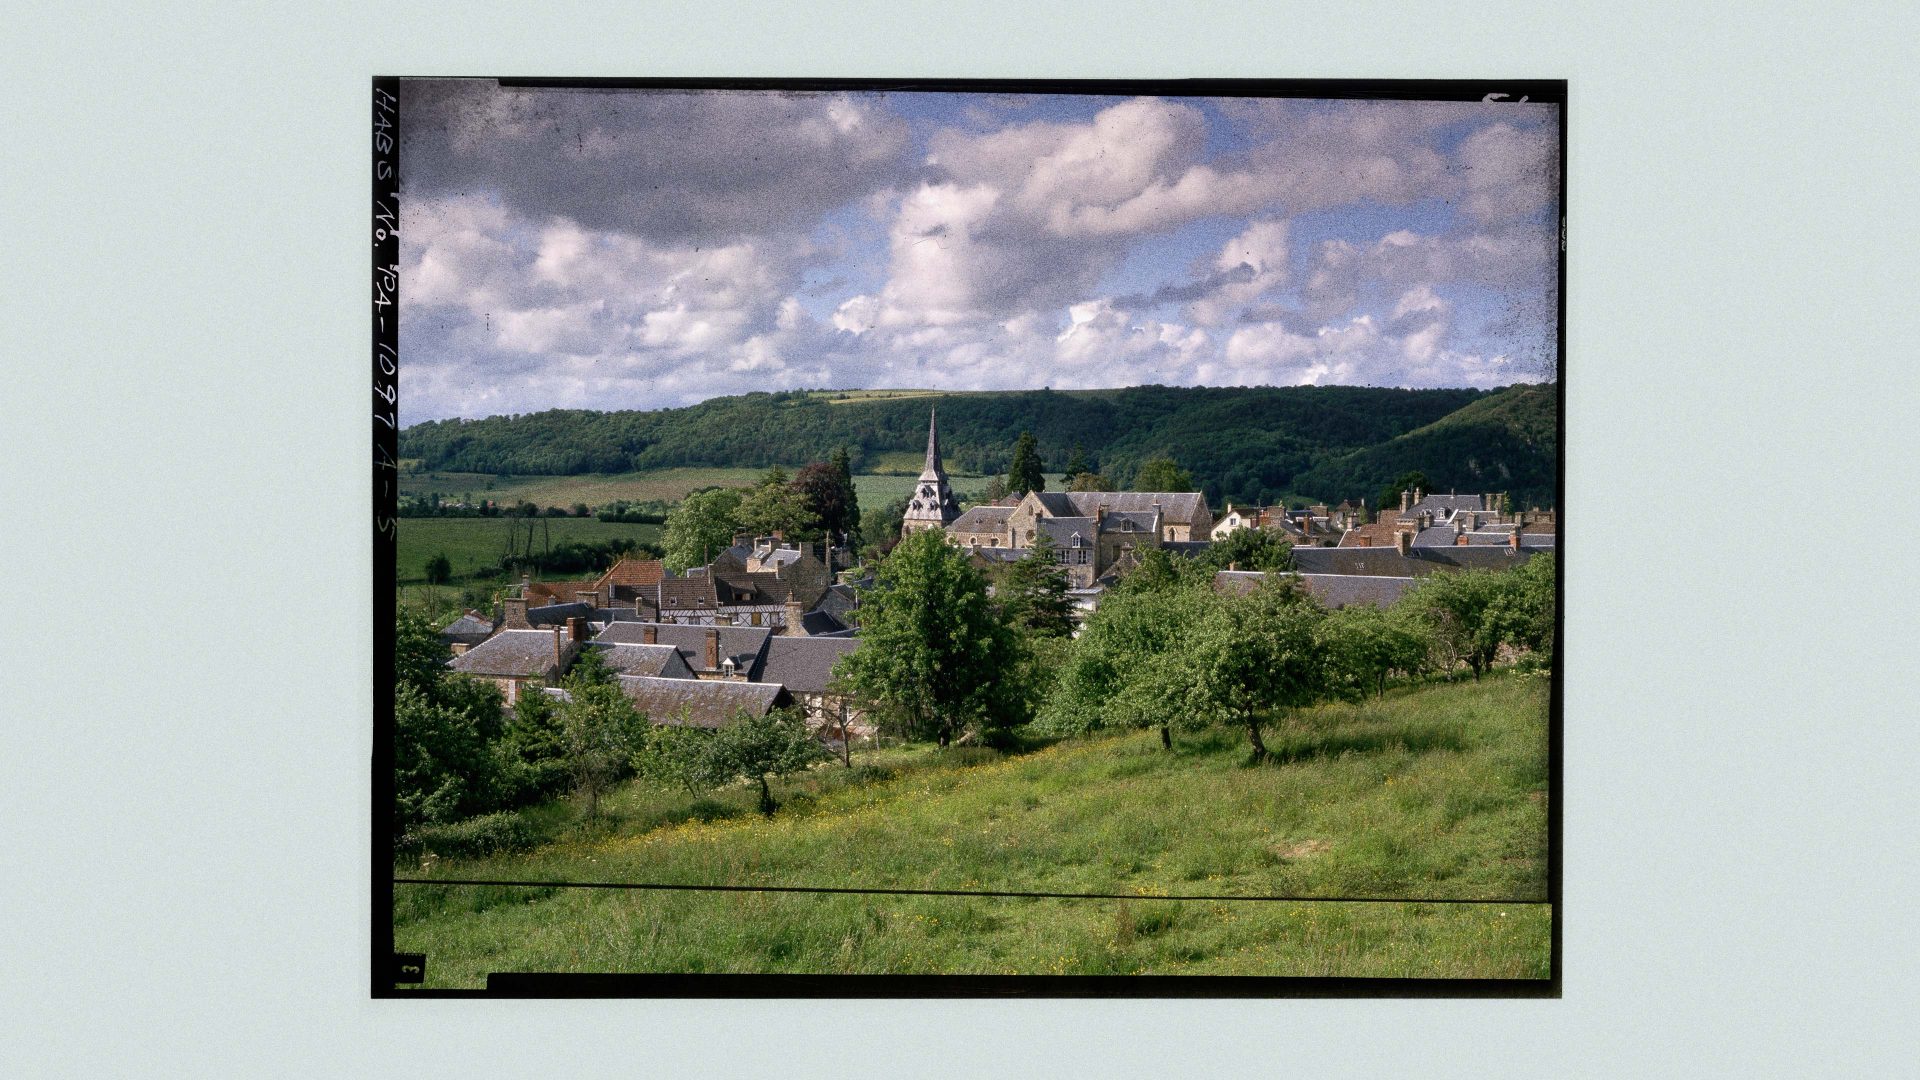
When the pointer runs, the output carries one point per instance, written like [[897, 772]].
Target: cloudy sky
[[590, 249]]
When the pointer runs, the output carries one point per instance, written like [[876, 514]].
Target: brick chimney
[[794, 616], [1406, 501], [713, 649], [559, 648], [1403, 540], [576, 628], [650, 634], [1513, 540]]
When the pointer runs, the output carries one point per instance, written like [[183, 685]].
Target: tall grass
[[1435, 792]]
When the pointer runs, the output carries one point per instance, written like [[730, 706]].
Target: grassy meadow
[[1438, 791], [474, 543]]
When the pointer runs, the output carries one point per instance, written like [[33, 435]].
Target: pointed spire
[[933, 443]]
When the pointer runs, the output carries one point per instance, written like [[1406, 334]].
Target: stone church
[[1095, 533]]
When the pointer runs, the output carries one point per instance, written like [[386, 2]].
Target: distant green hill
[[1247, 444], [1507, 441]]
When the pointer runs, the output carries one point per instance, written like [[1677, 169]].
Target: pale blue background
[[187, 687]]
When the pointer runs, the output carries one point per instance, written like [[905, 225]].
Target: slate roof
[[558, 614], [758, 588], [745, 644], [1123, 521], [1331, 590], [1069, 532], [1388, 562], [1435, 536], [1442, 505], [663, 661], [681, 594], [516, 653], [469, 629], [701, 703], [982, 519], [804, 664], [837, 599], [1059, 505], [1176, 507], [816, 623]]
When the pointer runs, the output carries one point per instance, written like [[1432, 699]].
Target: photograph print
[[860, 538]]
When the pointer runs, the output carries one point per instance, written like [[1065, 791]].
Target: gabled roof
[[681, 594], [1139, 521], [632, 572], [1443, 505], [745, 645], [804, 664], [663, 661], [470, 628], [540, 593], [701, 703], [515, 653], [741, 587]]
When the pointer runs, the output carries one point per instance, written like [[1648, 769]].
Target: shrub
[[488, 834]]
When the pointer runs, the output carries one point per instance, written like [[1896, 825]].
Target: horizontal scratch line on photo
[[664, 887]]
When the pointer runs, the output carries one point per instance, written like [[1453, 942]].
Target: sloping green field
[[1437, 792], [473, 543]]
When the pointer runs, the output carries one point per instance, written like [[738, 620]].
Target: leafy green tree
[[1026, 473], [1408, 481], [1077, 461], [439, 569], [590, 667], [1469, 613], [1528, 607], [756, 748], [880, 528], [674, 754], [600, 730], [779, 508], [1252, 655], [1250, 549], [1159, 570], [829, 497], [996, 488], [444, 728], [1365, 644], [1123, 644], [1032, 592], [1161, 474], [1089, 481], [702, 526], [532, 751], [936, 657], [842, 463]]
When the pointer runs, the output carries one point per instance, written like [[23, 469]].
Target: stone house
[[695, 703], [515, 660], [1094, 532]]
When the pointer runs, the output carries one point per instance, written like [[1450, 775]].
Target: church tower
[[932, 505]]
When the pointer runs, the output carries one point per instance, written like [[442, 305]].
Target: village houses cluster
[[761, 626]]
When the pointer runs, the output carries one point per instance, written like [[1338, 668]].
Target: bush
[[488, 834]]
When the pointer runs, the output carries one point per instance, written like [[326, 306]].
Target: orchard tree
[[599, 730], [1161, 474], [936, 659], [756, 748], [702, 526], [439, 569], [1468, 612], [1365, 644], [1026, 473], [1112, 675]]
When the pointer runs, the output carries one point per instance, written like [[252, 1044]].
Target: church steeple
[[932, 505]]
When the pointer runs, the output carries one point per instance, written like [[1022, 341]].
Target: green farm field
[[666, 485], [474, 543], [1436, 792]]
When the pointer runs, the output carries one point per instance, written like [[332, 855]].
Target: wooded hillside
[[1245, 444]]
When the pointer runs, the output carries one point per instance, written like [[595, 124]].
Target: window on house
[[755, 618]]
